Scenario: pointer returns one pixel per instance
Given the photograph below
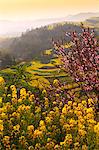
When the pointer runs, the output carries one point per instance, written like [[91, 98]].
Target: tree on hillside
[[82, 59]]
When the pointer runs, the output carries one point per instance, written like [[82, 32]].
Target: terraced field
[[46, 70]]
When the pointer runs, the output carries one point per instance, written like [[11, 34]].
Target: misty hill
[[10, 28], [15, 28], [32, 43], [82, 16], [94, 21]]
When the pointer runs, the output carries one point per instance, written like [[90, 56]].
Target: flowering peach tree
[[81, 60]]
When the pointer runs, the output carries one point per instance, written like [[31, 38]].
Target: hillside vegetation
[[94, 21], [40, 109], [31, 44]]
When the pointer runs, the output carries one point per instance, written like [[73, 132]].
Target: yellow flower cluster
[[14, 94], [1, 81], [1, 127], [43, 121], [23, 93], [56, 82], [96, 128]]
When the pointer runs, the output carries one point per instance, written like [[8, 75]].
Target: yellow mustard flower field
[[47, 119]]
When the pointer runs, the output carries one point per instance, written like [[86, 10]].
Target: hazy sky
[[37, 9]]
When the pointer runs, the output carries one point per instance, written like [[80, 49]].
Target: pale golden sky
[[37, 9]]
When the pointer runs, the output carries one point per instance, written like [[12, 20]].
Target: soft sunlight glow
[[37, 9]]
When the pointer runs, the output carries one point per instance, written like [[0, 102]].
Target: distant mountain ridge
[[15, 28], [94, 21], [10, 28], [82, 16]]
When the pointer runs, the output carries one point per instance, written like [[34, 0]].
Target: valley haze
[[9, 28]]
